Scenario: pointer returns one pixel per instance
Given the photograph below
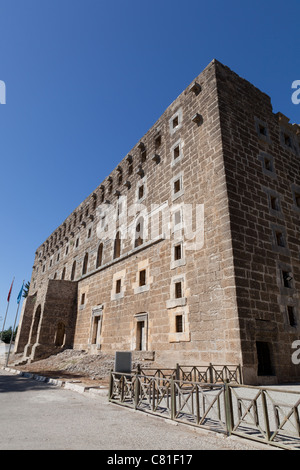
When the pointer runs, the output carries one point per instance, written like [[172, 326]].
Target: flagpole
[[12, 333], [6, 310]]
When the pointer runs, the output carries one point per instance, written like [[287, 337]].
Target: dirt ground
[[74, 365]]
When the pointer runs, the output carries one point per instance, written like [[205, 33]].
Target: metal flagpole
[[6, 309], [12, 333]]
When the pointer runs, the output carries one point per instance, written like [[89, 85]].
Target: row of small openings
[[177, 294], [287, 280], [62, 233], [280, 241], [120, 177], [263, 131], [196, 88], [274, 200], [143, 157], [178, 288]]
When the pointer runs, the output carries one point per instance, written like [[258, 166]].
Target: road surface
[[38, 416]]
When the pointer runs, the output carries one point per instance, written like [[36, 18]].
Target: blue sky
[[85, 79]]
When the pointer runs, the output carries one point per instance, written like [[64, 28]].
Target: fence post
[[153, 393], [173, 399], [177, 373], [240, 381], [228, 408], [197, 404], [265, 413], [211, 373], [137, 387], [122, 388], [110, 387]]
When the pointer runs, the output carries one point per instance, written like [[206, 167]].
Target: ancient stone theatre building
[[189, 249]]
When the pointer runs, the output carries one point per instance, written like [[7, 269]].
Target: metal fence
[[263, 414], [203, 374]]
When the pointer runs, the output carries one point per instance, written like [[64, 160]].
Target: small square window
[[279, 239], [177, 186], [262, 130], [179, 324], [142, 277], [176, 152], [287, 140], [177, 218], [291, 315], [175, 122], [177, 252], [178, 290], [274, 203], [268, 164], [157, 142], [287, 279], [118, 286], [141, 191]]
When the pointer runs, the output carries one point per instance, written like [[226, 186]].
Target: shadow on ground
[[12, 383]]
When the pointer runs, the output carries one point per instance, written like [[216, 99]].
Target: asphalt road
[[39, 416]]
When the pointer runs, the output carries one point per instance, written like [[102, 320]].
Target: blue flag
[[20, 295]]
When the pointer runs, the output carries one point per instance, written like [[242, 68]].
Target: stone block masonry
[[185, 251]]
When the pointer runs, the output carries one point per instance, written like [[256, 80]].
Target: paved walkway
[[36, 415]]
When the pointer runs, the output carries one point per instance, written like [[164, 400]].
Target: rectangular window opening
[[280, 239], [176, 152], [175, 122], [177, 252], [141, 191], [268, 164], [177, 218], [82, 299], [287, 279], [178, 290], [142, 277], [275, 203], [291, 315], [118, 286], [177, 186], [179, 324], [262, 130], [287, 140], [157, 142]]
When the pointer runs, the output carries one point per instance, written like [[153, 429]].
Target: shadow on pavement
[[12, 383]]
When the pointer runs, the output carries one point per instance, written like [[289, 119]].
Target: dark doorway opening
[[264, 359]]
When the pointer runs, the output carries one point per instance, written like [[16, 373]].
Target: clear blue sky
[[85, 79]]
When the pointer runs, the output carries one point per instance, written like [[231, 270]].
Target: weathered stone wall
[[178, 147], [262, 171]]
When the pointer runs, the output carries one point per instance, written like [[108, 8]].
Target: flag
[[8, 297], [20, 294]]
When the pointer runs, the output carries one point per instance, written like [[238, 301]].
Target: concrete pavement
[[36, 415]]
